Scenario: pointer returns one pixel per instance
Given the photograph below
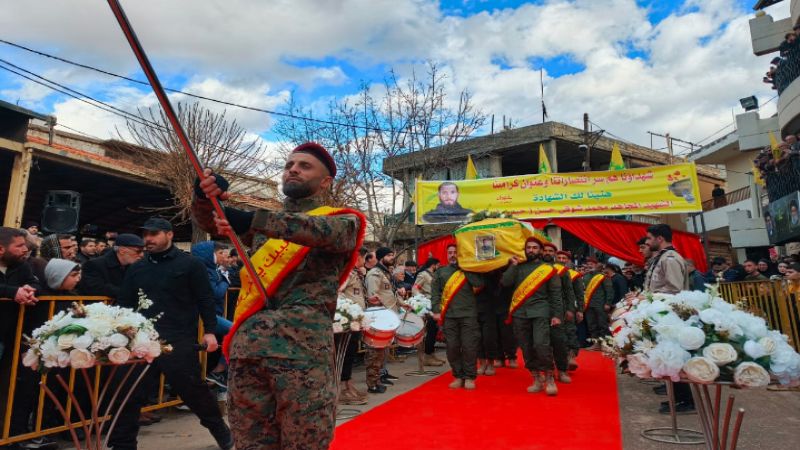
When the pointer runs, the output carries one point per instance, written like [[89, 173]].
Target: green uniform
[[461, 329], [571, 327], [558, 333], [282, 391], [532, 320], [488, 347], [596, 316]]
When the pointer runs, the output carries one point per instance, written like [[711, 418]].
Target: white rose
[[31, 359], [118, 340], [355, 326], [667, 360], [691, 338], [81, 359], [62, 359], [768, 344], [720, 353], [153, 351], [65, 341], [701, 370], [750, 374], [119, 355], [83, 342], [754, 349], [639, 365]]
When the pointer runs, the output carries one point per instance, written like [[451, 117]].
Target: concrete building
[[118, 192], [515, 152]]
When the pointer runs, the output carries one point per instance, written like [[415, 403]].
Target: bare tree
[[396, 117], [219, 141]]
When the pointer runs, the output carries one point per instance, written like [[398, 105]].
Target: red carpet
[[498, 414]]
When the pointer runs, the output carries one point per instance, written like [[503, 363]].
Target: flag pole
[[152, 78]]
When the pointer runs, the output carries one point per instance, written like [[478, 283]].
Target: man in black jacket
[[104, 275], [178, 286]]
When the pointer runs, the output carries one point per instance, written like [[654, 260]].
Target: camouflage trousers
[[374, 360], [281, 404]]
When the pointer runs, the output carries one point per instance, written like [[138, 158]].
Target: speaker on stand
[[61, 212]]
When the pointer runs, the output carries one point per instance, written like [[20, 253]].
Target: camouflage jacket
[[296, 324]]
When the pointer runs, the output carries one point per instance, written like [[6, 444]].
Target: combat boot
[[537, 383], [550, 384], [489, 369], [512, 363], [563, 377], [498, 363], [469, 384], [457, 383], [431, 360], [481, 366], [573, 363]]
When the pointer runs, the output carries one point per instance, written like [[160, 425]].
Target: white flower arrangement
[[700, 337], [348, 317], [86, 335], [419, 304]]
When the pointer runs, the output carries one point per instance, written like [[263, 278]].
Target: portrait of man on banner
[[448, 209], [484, 247]]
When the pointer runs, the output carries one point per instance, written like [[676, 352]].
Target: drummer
[[380, 293], [354, 290], [454, 305]]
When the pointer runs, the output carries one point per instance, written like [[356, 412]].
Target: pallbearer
[[558, 334], [536, 305], [598, 298], [454, 305], [564, 258]]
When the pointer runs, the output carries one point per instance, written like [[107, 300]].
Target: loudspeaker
[[61, 212]]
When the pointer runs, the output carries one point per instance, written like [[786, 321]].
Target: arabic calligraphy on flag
[[648, 190]]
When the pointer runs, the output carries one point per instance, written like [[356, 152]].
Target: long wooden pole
[[152, 78]]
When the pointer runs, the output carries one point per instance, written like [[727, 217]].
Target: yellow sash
[[529, 285], [594, 283], [450, 289], [560, 269], [273, 262], [574, 275]]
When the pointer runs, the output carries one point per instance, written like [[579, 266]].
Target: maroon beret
[[550, 244], [319, 152]]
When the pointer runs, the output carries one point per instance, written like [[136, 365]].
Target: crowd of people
[[784, 68]]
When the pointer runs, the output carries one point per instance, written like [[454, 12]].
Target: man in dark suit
[[104, 275]]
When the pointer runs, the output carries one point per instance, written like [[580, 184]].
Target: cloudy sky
[[635, 66]]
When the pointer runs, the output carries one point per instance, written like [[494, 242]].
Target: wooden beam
[[18, 188]]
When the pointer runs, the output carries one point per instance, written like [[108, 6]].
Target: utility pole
[[587, 164], [669, 146]]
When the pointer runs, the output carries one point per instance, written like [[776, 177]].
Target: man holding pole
[[282, 391]]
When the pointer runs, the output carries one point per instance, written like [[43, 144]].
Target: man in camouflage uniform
[[596, 312], [558, 333], [380, 293], [461, 329], [541, 310], [355, 290], [282, 391], [564, 258]]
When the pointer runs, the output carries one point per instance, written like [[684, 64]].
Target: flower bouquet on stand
[[419, 305], [86, 336], [699, 338]]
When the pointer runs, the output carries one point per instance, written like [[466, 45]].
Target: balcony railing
[[730, 198], [787, 70]]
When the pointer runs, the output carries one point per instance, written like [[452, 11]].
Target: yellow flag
[[757, 176], [544, 163], [773, 144], [616, 162], [472, 173]]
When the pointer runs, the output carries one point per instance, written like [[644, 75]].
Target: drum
[[381, 327], [411, 331]]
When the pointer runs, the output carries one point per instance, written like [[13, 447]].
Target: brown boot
[[348, 398], [537, 383], [481, 367], [512, 363], [430, 360], [550, 384], [563, 377], [489, 369], [457, 383], [469, 384], [356, 392], [573, 363], [498, 363]]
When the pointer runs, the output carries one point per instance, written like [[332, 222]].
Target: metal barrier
[[9, 390], [772, 300]]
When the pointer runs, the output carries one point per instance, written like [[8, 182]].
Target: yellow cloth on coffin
[[506, 238]]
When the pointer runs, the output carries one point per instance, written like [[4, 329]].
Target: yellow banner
[[648, 190]]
